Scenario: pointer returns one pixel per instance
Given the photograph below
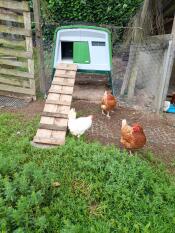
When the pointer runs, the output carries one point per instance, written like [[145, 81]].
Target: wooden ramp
[[53, 123]]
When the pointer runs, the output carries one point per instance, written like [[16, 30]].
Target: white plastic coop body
[[87, 46]]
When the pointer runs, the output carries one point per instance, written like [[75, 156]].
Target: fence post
[[39, 44], [128, 70], [168, 68]]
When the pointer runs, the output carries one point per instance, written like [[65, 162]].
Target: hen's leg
[[130, 153], [108, 115], [103, 113]]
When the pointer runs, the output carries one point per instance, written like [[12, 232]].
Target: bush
[[101, 189], [96, 12]]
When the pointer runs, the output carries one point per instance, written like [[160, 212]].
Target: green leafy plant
[[78, 187], [99, 12]]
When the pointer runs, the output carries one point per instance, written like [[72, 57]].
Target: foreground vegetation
[[78, 188]]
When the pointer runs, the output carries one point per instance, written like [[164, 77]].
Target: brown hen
[[132, 137], [173, 99], [108, 103]]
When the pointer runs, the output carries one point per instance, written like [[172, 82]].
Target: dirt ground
[[159, 131]]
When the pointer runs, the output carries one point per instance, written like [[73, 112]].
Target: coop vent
[[98, 43]]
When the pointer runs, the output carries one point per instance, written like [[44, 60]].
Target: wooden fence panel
[[15, 30], [16, 48], [10, 43], [11, 17], [13, 63], [15, 53], [15, 5]]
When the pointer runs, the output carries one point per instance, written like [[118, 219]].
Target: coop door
[[81, 52]]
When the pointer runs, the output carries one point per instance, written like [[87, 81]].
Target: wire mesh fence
[[144, 79], [138, 69]]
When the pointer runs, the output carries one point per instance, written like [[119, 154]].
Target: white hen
[[78, 126], [166, 105]]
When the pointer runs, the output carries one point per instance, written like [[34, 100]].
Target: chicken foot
[[130, 153], [103, 113], [108, 115]]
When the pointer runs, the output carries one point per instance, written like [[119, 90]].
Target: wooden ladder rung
[[49, 141], [65, 73], [66, 92], [64, 76], [54, 114], [63, 66], [57, 102], [52, 127], [62, 83]]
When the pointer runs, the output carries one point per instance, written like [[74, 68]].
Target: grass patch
[[100, 189]]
